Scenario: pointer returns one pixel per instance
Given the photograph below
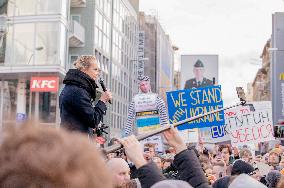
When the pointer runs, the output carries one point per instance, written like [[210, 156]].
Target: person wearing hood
[[76, 99]]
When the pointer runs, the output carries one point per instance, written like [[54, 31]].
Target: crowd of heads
[[224, 163], [35, 156]]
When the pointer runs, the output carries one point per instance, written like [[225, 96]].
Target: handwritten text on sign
[[184, 104], [250, 125]]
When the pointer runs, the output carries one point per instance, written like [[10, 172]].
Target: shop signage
[[44, 84]]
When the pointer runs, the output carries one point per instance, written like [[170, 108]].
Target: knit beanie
[[273, 178], [241, 167]]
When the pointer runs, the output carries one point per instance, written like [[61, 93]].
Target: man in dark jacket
[[76, 100], [199, 80]]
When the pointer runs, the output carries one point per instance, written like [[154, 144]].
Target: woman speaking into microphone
[[77, 111]]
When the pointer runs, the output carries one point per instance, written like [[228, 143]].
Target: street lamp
[[37, 49], [3, 28]]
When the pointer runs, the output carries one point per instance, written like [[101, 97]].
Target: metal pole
[[1, 104]]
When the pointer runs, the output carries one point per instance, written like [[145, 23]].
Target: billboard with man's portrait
[[198, 71]]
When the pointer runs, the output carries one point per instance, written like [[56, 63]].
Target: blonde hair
[[46, 157], [84, 61]]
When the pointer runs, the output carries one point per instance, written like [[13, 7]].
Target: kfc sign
[[44, 84]]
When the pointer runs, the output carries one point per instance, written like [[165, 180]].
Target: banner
[[189, 135], [214, 134], [147, 115], [250, 124], [157, 140], [183, 104]]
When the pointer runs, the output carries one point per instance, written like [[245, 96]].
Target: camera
[[278, 131]]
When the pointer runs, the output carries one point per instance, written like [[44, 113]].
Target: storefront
[[33, 97]]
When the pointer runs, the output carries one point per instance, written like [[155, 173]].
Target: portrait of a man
[[199, 80]]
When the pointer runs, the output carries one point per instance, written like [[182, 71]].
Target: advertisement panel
[[199, 71]]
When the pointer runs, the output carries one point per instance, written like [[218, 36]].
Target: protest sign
[[189, 135], [147, 115], [157, 140], [183, 104], [250, 124], [148, 118], [214, 134]]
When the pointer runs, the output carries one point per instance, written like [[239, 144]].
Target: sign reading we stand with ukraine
[[183, 104]]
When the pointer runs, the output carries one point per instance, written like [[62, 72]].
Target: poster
[[189, 135], [251, 123], [199, 71], [183, 104], [147, 115]]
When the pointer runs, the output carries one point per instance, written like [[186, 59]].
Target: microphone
[[101, 81]]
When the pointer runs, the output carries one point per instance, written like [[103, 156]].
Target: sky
[[236, 30]]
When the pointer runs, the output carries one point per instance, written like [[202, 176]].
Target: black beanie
[[241, 167]]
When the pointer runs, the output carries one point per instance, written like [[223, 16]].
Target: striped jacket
[[128, 128]]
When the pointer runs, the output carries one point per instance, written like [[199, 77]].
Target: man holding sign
[[147, 109]]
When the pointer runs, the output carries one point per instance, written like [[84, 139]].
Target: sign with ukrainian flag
[[147, 115], [183, 104]]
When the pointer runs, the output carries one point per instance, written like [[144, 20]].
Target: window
[[72, 58], [37, 7], [37, 44], [76, 18]]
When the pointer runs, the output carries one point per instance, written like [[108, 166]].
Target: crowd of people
[[222, 166], [35, 156]]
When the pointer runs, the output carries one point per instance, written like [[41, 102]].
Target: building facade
[[261, 85], [177, 67], [277, 67], [43, 39], [111, 27], [159, 53], [34, 60]]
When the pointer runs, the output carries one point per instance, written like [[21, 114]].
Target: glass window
[[47, 107], [47, 7], [23, 44], [72, 58], [76, 18], [47, 38], [41, 44], [37, 7]]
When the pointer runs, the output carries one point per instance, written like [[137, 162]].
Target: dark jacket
[[189, 169], [76, 109], [188, 166], [149, 174], [192, 83]]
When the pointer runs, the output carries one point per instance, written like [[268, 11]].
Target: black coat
[[188, 166], [76, 102], [189, 169]]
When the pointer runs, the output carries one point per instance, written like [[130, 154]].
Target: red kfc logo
[[44, 84]]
